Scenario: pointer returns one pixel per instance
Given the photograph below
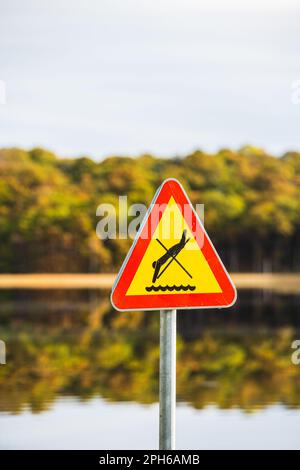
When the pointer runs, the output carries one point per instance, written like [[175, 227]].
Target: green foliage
[[48, 206], [246, 370]]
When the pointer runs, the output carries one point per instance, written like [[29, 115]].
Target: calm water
[[79, 375]]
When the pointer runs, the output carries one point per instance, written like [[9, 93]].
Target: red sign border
[[226, 298]]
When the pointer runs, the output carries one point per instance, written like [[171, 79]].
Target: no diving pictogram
[[169, 256]]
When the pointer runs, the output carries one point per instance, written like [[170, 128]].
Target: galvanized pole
[[167, 380]]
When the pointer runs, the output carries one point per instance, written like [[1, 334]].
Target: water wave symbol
[[170, 288]]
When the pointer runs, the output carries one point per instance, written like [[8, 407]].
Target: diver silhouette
[[170, 253]]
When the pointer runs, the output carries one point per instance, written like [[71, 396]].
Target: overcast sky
[[104, 77]]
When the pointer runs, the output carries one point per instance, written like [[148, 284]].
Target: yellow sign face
[[173, 261]]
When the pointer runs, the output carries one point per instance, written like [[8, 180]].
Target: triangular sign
[[172, 262]]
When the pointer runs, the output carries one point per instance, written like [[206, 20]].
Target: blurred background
[[104, 99]]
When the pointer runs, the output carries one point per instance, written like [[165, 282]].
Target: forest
[[48, 207]]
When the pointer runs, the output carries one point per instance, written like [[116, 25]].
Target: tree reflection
[[116, 356]]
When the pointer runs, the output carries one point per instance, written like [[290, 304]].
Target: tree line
[[48, 206]]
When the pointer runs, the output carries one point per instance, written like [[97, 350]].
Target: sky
[[126, 77]]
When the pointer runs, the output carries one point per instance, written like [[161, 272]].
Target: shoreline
[[279, 282]]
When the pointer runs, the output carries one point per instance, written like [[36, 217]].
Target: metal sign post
[[167, 380]]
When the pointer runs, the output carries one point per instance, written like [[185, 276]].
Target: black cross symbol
[[174, 258]]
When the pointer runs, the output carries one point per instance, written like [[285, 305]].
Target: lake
[[80, 375]]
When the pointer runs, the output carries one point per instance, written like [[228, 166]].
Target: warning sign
[[172, 263]]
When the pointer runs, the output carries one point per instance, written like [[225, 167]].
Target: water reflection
[[72, 344]]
